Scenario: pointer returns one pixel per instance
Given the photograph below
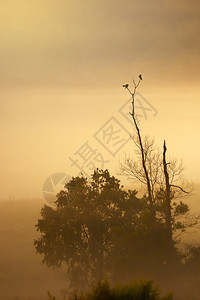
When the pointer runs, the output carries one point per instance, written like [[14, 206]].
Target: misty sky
[[62, 66]]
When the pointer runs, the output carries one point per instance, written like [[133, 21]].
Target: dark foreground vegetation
[[136, 290]]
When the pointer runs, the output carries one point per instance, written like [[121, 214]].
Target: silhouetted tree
[[97, 229]]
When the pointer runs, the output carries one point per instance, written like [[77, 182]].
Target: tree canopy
[[98, 229]]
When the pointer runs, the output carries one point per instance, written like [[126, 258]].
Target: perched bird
[[125, 86], [140, 76]]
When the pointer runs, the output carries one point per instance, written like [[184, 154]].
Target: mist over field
[[22, 273]]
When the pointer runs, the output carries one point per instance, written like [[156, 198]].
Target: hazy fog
[[62, 66], [22, 273]]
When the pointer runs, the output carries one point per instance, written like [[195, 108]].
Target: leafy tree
[[97, 229]]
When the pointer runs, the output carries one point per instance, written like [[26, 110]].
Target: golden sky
[[62, 66]]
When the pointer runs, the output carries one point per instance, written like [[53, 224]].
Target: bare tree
[[141, 148], [134, 170], [163, 180]]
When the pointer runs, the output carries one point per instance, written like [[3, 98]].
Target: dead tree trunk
[[167, 199]]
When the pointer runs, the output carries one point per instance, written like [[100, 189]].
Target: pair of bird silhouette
[[126, 85]]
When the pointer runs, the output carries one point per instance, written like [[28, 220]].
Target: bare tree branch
[[179, 188]]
